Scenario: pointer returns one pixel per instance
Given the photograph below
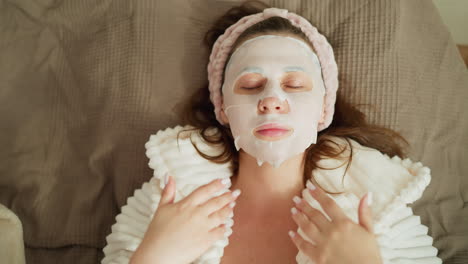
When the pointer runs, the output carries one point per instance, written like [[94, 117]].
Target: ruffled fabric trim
[[401, 236], [394, 182], [406, 241], [178, 158], [132, 223], [412, 192]]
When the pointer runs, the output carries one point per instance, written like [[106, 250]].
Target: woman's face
[[273, 97]]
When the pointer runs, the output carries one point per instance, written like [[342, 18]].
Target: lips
[[272, 131]]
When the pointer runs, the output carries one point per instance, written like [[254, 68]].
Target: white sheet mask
[[273, 64]]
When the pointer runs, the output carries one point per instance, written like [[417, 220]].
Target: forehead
[[272, 51]]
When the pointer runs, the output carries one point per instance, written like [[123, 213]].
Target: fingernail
[[236, 193], [166, 178], [310, 185], [232, 204], [296, 199], [231, 215], [369, 198], [225, 181], [293, 211], [291, 233]]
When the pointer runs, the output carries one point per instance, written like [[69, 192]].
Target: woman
[[264, 130]]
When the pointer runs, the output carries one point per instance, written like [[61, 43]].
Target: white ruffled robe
[[394, 183]]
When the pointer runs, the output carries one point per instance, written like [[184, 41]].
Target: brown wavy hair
[[348, 121]]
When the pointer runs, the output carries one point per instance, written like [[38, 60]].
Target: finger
[[221, 215], [365, 213], [168, 193], [327, 203], [216, 203], [313, 215], [218, 233], [304, 246], [309, 228], [205, 192]]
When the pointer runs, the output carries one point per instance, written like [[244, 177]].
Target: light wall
[[454, 13]]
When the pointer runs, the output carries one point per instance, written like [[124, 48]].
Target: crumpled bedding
[[83, 84]]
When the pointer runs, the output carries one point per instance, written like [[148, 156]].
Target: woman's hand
[[180, 232], [339, 240]]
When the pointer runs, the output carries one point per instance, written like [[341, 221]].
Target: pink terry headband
[[324, 51]]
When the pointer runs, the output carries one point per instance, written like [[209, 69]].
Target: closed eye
[[251, 88], [287, 86]]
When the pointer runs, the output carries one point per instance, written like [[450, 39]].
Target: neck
[[266, 187]]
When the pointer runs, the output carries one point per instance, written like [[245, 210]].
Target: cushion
[[11, 240]]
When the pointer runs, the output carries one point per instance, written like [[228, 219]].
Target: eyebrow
[[260, 70], [293, 68], [251, 69]]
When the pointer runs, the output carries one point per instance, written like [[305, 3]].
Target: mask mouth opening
[[271, 125], [273, 135], [272, 132]]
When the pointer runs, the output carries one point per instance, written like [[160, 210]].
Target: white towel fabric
[[394, 183]]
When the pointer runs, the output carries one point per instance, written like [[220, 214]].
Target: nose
[[273, 105]]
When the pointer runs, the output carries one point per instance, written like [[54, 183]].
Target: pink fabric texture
[[324, 51]]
